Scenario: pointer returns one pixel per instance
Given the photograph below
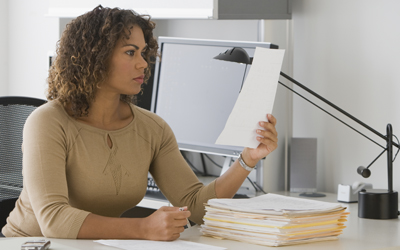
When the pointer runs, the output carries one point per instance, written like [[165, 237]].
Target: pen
[[188, 223]]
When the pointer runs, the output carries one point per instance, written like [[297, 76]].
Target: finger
[[267, 132], [174, 209], [181, 223], [185, 208], [184, 211], [271, 145], [267, 123], [271, 119], [268, 135], [166, 208], [180, 229], [173, 237], [170, 209], [176, 233], [268, 129], [180, 215]]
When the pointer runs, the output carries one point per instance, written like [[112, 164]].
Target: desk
[[359, 234]]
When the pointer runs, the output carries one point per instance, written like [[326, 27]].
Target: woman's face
[[126, 70]]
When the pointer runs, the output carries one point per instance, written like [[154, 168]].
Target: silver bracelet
[[243, 164]]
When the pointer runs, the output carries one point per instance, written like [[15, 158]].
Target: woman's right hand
[[165, 224]]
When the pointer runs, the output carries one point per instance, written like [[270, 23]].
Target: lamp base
[[378, 204]]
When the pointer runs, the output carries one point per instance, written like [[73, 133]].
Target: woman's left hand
[[268, 138]]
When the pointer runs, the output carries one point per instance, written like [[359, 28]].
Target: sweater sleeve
[[45, 150], [177, 181]]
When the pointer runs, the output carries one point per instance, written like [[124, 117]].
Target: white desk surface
[[359, 234]]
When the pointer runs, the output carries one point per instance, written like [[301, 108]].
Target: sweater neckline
[[90, 127]]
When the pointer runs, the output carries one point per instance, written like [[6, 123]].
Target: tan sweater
[[69, 171]]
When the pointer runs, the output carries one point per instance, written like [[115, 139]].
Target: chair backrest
[[13, 113]]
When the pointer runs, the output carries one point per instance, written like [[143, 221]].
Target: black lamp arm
[[389, 147], [337, 108], [324, 110], [389, 132]]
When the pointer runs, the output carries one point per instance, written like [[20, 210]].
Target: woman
[[87, 152]]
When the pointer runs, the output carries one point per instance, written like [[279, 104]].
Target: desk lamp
[[373, 203]]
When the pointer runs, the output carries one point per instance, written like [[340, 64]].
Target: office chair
[[13, 112]]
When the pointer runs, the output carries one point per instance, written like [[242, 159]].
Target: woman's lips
[[139, 79]]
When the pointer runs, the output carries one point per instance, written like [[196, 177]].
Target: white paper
[[273, 202], [157, 245], [255, 101]]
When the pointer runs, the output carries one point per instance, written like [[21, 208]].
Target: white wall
[[3, 47], [31, 36], [348, 52]]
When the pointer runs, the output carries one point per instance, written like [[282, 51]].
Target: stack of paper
[[274, 220]]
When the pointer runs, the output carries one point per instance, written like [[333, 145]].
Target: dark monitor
[[143, 99], [195, 93]]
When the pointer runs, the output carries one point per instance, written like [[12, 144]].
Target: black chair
[[13, 112]]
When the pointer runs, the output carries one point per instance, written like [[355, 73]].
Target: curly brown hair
[[84, 52]]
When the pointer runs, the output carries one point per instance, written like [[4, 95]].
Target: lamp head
[[235, 54], [363, 171]]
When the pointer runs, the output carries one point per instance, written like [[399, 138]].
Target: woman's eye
[[130, 52]]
